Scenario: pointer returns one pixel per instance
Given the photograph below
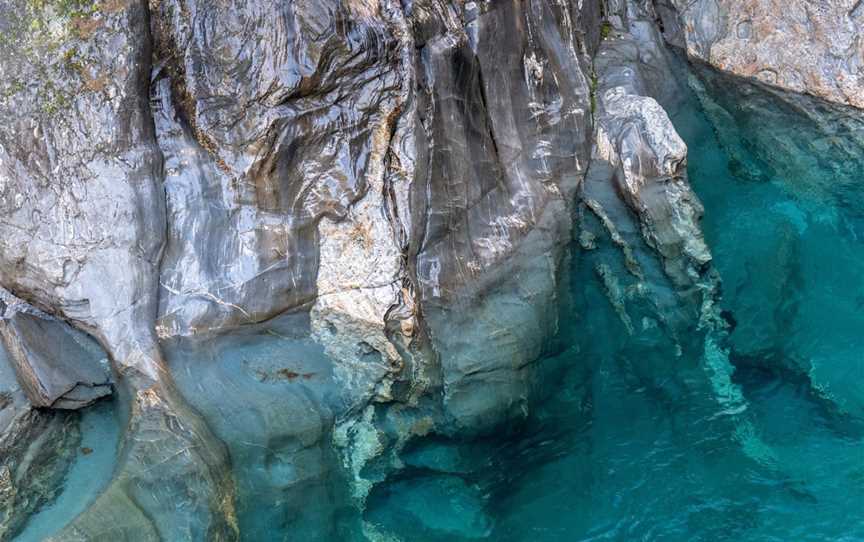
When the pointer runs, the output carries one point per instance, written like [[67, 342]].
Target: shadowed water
[[89, 473], [761, 440], [614, 455]]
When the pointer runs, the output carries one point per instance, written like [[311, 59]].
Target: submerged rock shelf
[[431, 270]]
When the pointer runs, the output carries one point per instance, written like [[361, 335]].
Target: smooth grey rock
[[279, 122], [81, 233], [56, 366], [796, 45], [312, 173], [269, 392], [505, 128]]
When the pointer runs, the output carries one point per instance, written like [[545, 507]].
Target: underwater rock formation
[[639, 217], [812, 151], [387, 189]]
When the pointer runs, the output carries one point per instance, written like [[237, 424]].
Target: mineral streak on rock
[[397, 181], [81, 233]]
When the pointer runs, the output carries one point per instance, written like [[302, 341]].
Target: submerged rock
[[809, 155], [36, 449], [430, 507]]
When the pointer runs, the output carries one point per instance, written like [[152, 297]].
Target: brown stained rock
[[815, 48]]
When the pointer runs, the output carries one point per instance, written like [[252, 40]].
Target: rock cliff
[[394, 185]]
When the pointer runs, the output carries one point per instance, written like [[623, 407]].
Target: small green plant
[[605, 30]]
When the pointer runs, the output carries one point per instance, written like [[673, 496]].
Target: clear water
[[612, 456], [89, 473], [766, 444]]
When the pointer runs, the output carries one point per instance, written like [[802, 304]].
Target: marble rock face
[[57, 366], [503, 139], [395, 171], [81, 233], [400, 178], [797, 45]]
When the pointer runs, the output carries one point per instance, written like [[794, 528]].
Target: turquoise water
[[760, 440], [88, 474], [638, 465], [613, 455]]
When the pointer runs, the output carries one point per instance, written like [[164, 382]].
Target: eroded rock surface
[[350, 221], [81, 232], [502, 144], [637, 195], [56, 366], [797, 45]]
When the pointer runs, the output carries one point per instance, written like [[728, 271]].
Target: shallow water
[[612, 455], [89, 473], [760, 441]]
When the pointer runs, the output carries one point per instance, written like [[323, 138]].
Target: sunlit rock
[[81, 232], [796, 45]]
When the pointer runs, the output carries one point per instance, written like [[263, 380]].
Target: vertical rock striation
[[81, 233], [400, 181]]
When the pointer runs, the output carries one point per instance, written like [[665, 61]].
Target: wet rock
[[269, 393], [270, 139], [638, 196], [36, 449], [323, 179], [401, 177], [797, 45]]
